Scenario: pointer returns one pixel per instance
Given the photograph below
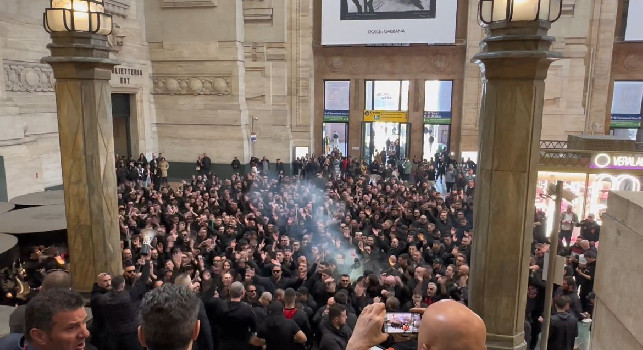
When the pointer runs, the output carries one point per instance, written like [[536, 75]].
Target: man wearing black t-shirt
[[234, 320], [279, 333], [292, 313]]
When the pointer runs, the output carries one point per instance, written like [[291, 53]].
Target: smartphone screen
[[401, 322]]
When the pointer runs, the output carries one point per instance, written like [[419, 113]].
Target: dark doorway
[[121, 119]]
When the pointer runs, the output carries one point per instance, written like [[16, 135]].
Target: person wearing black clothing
[[590, 229], [206, 164], [98, 329], [204, 340], [119, 309], [568, 289], [563, 328], [335, 332], [535, 302], [585, 278], [236, 164], [279, 168], [277, 332], [291, 312], [276, 281], [233, 320]]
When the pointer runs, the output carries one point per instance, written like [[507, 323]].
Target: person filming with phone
[[440, 329]]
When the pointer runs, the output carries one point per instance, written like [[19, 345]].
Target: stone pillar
[[514, 63], [82, 69]]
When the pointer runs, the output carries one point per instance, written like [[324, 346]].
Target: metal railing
[[553, 144], [565, 158]]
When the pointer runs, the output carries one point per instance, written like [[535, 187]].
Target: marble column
[[82, 69], [514, 62]]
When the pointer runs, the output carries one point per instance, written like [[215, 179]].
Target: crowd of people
[[290, 261]]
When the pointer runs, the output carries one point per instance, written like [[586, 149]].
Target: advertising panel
[[363, 22]]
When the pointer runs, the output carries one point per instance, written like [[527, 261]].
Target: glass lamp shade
[[77, 16], [493, 11]]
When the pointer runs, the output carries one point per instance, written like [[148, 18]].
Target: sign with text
[[363, 22], [124, 74], [617, 161], [386, 116], [441, 118], [625, 121], [332, 116]]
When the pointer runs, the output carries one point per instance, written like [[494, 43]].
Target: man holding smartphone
[[441, 328]]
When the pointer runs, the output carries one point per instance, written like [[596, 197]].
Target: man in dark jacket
[[276, 281], [204, 340], [335, 332], [568, 289], [98, 329], [119, 309], [232, 321], [564, 327]]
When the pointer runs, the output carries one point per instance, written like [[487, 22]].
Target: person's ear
[[197, 328], [426, 347], [38, 336], [141, 337]]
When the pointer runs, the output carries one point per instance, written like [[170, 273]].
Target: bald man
[[451, 325], [446, 325]]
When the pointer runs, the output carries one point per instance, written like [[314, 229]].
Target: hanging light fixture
[[77, 16], [493, 11]]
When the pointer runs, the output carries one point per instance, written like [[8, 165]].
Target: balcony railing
[[553, 144]]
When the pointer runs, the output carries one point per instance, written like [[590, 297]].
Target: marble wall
[[231, 68], [578, 87], [618, 285], [29, 139], [28, 127]]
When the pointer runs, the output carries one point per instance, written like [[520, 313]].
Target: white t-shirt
[[567, 217]]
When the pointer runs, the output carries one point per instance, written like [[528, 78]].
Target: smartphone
[[401, 322]]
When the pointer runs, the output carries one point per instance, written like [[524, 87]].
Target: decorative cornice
[[28, 77], [117, 7], [192, 85]]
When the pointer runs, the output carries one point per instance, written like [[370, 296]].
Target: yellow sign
[[386, 116]]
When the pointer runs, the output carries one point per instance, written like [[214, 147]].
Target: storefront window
[[437, 116], [574, 191], [626, 109], [336, 111]]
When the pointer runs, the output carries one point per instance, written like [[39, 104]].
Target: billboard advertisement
[[364, 22]]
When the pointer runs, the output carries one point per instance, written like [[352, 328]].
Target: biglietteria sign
[[617, 161]]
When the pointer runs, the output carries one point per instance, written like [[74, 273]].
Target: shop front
[[588, 177]]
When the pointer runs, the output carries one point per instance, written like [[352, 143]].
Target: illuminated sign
[[386, 116], [617, 161]]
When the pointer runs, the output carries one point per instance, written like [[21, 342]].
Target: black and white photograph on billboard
[[388, 22], [386, 9]]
